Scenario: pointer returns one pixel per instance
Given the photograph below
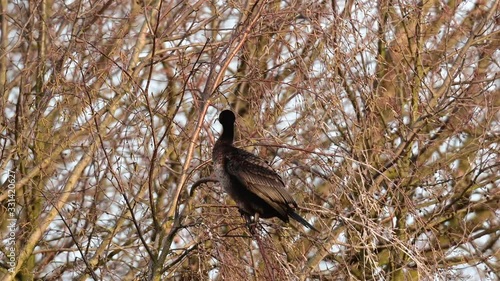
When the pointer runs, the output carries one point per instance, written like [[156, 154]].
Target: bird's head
[[227, 117]]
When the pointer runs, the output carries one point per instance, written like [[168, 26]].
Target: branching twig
[[200, 182]]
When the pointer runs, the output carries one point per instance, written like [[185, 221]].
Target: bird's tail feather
[[300, 219]]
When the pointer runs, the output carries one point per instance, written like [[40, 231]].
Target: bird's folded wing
[[258, 177]]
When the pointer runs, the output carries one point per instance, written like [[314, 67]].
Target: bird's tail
[[300, 219]]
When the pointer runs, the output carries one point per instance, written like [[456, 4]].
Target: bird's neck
[[227, 134]]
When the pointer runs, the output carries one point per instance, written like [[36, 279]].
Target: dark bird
[[255, 187]]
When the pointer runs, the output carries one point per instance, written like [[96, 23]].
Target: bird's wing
[[258, 177]]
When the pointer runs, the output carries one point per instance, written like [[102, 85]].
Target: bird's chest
[[229, 183], [221, 173]]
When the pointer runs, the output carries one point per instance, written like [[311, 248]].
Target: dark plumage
[[255, 187]]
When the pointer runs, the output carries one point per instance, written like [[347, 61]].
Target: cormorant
[[255, 187]]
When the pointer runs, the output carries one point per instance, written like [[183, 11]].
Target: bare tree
[[382, 117]]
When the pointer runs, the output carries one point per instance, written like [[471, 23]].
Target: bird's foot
[[251, 224], [252, 227]]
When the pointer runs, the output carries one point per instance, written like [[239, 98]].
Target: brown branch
[[200, 182]]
